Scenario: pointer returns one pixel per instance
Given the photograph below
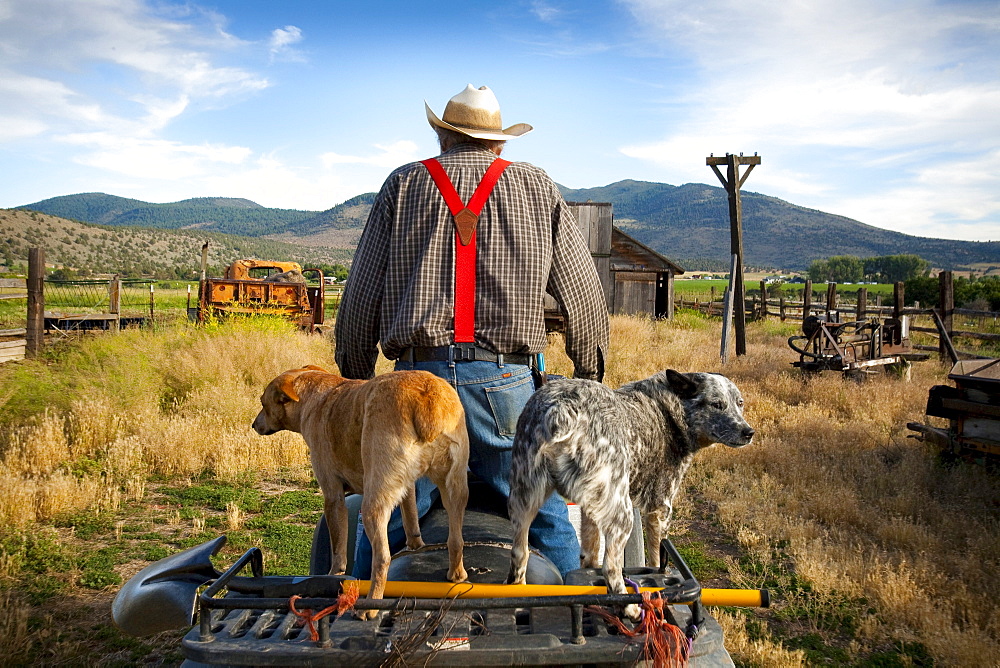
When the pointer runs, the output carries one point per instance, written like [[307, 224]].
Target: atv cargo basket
[[251, 624]]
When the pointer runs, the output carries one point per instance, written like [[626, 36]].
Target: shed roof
[[627, 254]]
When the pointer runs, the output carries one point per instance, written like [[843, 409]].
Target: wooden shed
[[643, 279], [635, 278]]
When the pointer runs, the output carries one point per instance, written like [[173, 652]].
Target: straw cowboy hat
[[476, 113]]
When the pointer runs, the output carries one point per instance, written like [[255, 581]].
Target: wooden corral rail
[[762, 306], [13, 288], [13, 343]]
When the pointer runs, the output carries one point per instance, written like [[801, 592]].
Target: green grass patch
[[87, 524], [97, 568], [153, 552], [13, 313], [827, 611], [818, 651], [294, 503], [904, 655], [39, 589], [37, 552], [702, 564], [287, 545], [215, 496]]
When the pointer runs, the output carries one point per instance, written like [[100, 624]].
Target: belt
[[464, 352]]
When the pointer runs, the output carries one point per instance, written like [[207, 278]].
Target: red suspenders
[[466, 216]]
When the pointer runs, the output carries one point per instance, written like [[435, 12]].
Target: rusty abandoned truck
[[269, 287]]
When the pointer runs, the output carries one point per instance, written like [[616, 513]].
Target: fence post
[[35, 331], [862, 304], [781, 307], [114, 300], [946, 285], [807, 299], [763, 299], [898, 297], [831, 302]]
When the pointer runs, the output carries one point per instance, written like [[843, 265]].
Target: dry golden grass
[[185, 411], [833, 493], [763, 651], [858, 531]]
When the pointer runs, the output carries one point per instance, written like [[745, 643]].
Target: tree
[[846, 269], [837, 269], [819, 271], [923, 289], [894, 268], [337, 271], [986, 288], [63, 274]]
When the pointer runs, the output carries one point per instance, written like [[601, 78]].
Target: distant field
[[695, 287]]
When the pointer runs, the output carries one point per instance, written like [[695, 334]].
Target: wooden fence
[[943, 318], [13, 342]]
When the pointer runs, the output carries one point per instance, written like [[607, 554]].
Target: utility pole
[[732, 182]]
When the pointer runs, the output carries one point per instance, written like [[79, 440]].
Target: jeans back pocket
[[507, 402]]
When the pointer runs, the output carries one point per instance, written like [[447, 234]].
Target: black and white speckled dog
[[608, 449]]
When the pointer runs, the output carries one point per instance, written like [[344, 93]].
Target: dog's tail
[[544, 439], [438, 411]]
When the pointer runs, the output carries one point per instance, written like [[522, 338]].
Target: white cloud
[[14, 127], [127, 34], [281, 42], [113, 68], [906, 90], [391, 155], [29, 99], [544, 11], [955, 199], [103, 80], [271, 182], [153, 158]]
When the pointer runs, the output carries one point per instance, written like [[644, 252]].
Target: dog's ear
[[682, 386], [287, 387], [313, 367]]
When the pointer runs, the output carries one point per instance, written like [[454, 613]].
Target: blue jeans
[[493, 398]]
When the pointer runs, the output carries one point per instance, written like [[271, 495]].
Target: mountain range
[[688, 224]]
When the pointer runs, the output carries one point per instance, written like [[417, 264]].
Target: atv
[[243, 617]]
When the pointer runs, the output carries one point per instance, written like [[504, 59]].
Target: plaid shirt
[[400, 291]]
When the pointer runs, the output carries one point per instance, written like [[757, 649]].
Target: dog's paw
[[458, 575], [414, 543], [514, 577], [365, 615], [633, 612]]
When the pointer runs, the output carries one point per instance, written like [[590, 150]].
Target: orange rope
[[665, 645], [344, 603]]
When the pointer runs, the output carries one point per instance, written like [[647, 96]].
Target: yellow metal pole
[[746, 598]]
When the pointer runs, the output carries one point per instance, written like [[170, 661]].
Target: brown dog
[[376, 437]]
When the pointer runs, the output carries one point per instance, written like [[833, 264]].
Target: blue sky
[[885, 111]]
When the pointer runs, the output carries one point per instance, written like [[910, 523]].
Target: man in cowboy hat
[[450, 276]]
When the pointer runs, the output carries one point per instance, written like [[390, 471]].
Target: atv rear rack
[[247, 621]]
